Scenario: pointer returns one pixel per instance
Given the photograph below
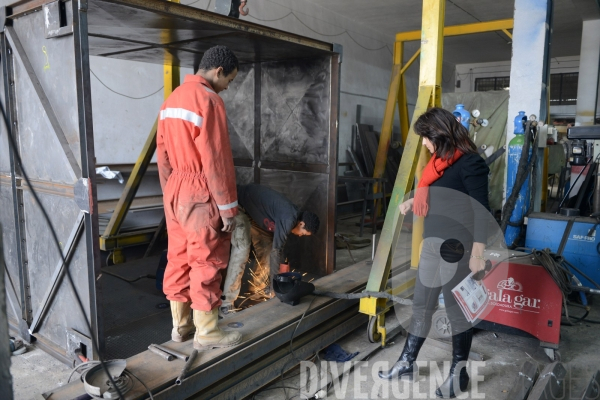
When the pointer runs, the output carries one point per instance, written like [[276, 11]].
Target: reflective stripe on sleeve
[[228, 206], [181, 113]]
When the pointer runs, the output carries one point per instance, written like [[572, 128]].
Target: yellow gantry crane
[[414, 157]]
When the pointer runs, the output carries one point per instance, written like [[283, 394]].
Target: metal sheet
[[43, 258], [244, 175], [296, 111], [53, 63], [309, 192], [240, 113]]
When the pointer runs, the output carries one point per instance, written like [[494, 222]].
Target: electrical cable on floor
[[82, 368], [558, 268], [365, 294], [149, 276]]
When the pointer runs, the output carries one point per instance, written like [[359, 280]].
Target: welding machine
[[523, 300], [575, 236]]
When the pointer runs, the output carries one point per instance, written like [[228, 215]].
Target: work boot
[[404, 365], [209, 335], [183, 326], [461, 345]]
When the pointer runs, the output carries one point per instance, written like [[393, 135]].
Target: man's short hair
[[311, 221], [218, 56]]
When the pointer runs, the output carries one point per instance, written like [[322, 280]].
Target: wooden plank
[[268, 324]]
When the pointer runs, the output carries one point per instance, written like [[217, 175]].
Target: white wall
[[365, 77], [467, 73]]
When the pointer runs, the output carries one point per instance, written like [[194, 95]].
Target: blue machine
[[463, 116], [515, 149], [582, 248]]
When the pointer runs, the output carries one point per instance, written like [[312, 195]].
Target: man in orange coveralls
[[195, 166]]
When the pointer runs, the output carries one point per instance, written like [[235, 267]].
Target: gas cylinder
[[463, 116], [515, 149]]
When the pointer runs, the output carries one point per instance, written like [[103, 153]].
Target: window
[[496, 83], [563, 89]]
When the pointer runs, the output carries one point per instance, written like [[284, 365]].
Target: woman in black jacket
[[454, 238]]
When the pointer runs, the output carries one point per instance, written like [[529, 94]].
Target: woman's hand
[[476, 265], [476, 262], [406, 206]]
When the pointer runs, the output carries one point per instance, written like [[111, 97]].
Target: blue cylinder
[[515, 149], [463, 116], [520, 121]]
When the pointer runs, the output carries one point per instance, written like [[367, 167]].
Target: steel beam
[[258, 374], [528, 374], [393, 219], [593, 389], [456, 30], [551, 383]]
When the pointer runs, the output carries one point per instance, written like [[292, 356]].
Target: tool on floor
[[289, 287], [163, 354], [97, 386], [186, 367], [176, 353]]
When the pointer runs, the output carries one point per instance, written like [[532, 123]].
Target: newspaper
[[472, 297]]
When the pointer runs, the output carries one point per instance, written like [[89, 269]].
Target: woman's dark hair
[[445, 133], [218, 56], [311, 221]]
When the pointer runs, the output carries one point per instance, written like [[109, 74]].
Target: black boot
[[461, 345], [404, 366]]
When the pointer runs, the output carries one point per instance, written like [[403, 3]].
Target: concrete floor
[[503, 354], [35, 372]]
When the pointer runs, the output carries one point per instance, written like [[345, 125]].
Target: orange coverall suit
[[195, 166]]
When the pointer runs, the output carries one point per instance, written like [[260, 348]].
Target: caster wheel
[[109, 259], [440, 325], [372, 333], [553, 355]]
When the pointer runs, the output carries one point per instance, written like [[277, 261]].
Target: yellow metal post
[[429, 95], [388, 121], [432, 40]]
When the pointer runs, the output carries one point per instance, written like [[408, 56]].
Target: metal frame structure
[[46, 93], [414, 157]]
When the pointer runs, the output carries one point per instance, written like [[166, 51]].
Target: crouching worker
[[197, 176], [270, 219]]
